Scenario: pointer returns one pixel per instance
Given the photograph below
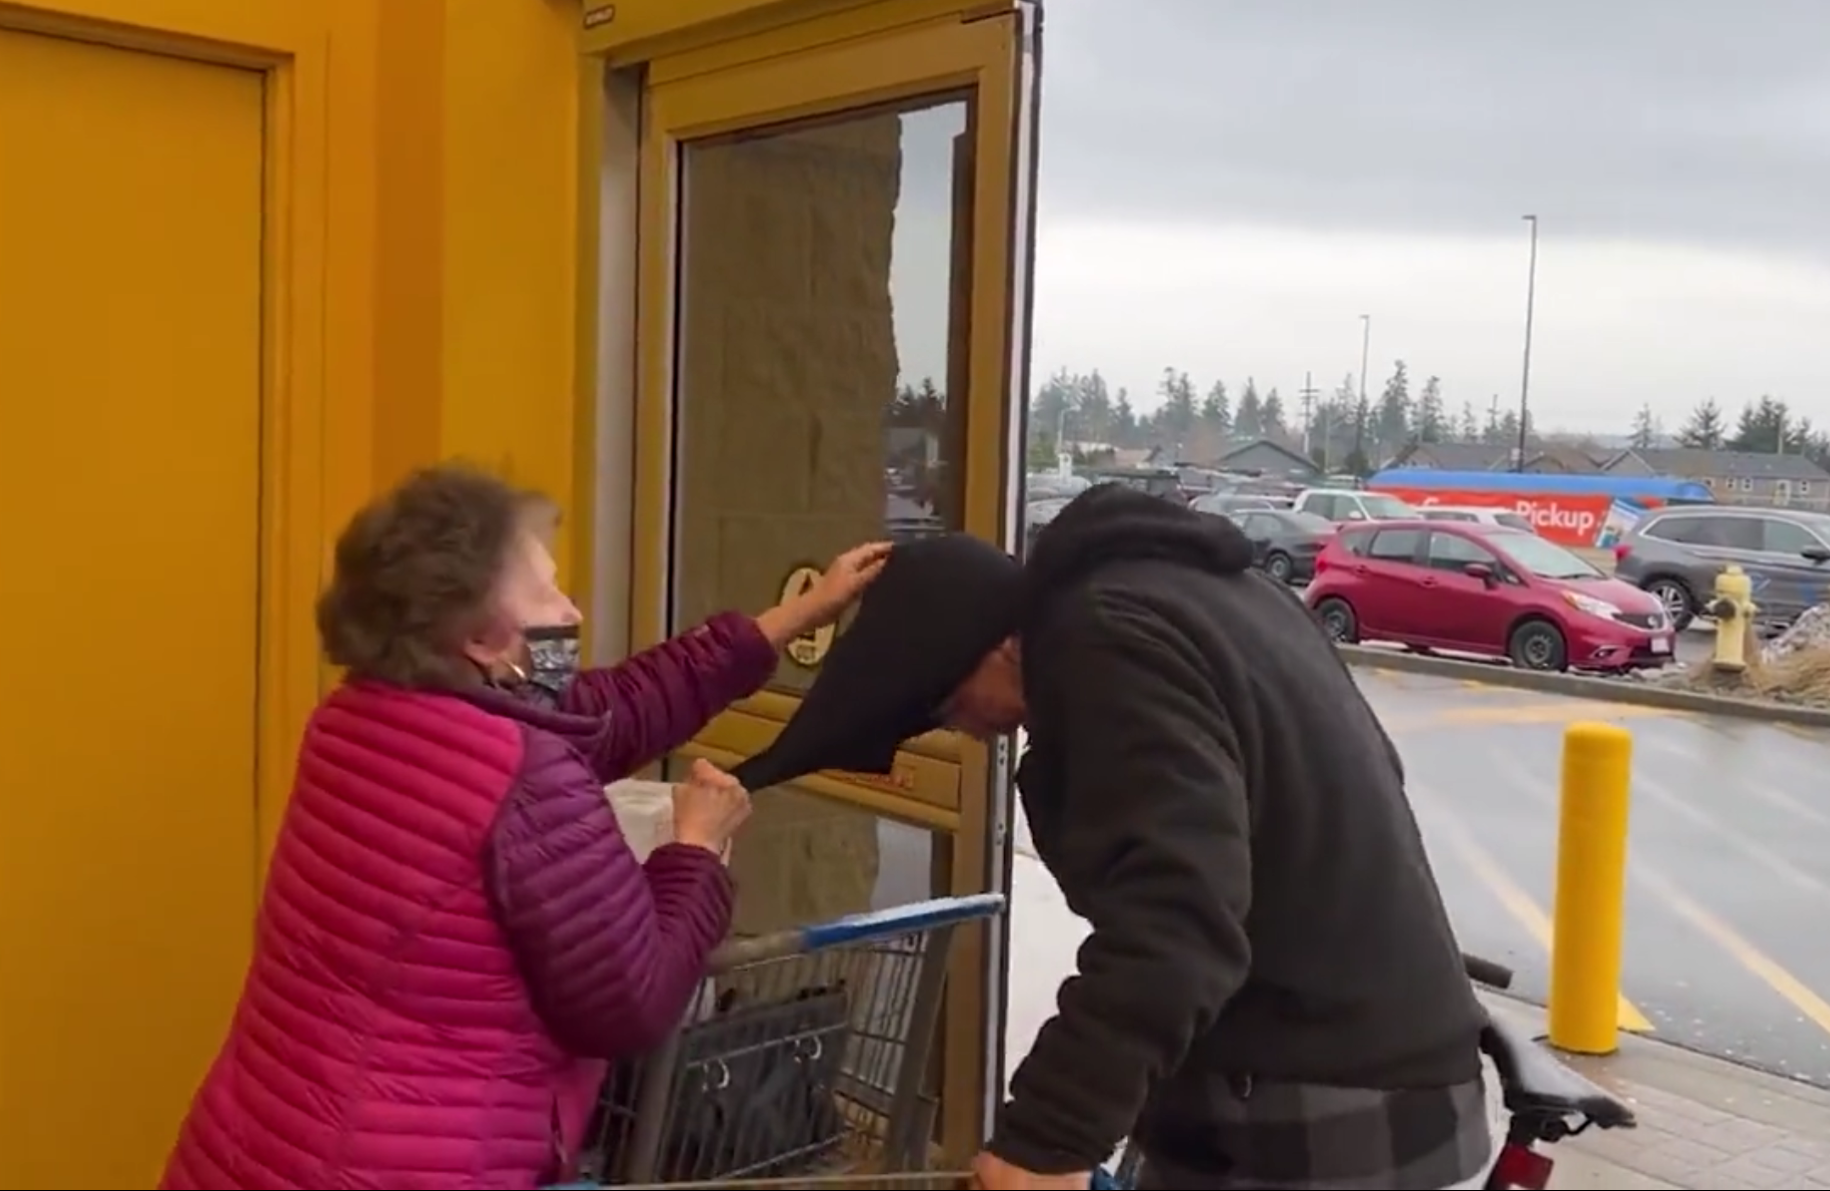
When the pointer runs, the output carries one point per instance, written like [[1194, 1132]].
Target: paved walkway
[[1704, 1123]]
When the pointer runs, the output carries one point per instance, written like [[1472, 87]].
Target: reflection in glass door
[[826, 347], [817, 350]]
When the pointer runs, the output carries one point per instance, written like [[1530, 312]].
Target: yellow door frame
[[727, 66]]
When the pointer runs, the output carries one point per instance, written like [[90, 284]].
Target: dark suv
[[1676, 554]]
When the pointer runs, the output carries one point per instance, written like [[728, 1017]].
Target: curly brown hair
[[415, 572]]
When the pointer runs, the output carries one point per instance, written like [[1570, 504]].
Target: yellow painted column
[[411, 201], [471, 240], [510, 238]]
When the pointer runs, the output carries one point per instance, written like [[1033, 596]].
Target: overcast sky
[[1227, 185]]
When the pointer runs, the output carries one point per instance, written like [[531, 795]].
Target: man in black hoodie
[[1271, 995]]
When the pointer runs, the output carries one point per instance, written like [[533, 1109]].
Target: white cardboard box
[[645, 812]]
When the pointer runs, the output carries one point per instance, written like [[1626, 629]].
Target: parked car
[[1676, 553], [1347, 504], [1227, 504], [1048, 485], [905, 519], [1285, 543], [1157, 481], [1477, 515], [1483, 589], [1038, 513]]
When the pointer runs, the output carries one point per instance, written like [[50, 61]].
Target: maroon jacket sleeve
[[612, 950], [658, 700]]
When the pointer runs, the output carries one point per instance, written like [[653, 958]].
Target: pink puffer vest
[[384, 1038]]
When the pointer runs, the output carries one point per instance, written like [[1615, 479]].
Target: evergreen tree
[[1051, 412], [1093, 407], [1704, 430], [1493, 429], [1271, 416], [1467, 426], [1508, 430], [1217, 409], [1393, 421], [1762, 427], [1248, 418], [1124, 421], [1645, 429], [1432, 423], [1176, 416]]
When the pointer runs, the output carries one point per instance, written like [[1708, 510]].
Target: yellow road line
[[1550, 713], [1758, 964], [1517, 902], [1519, 714]]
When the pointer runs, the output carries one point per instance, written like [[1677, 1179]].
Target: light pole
[[1359, 419], [1531, 299]]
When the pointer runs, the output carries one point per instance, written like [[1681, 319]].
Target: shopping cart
[[807, 1057], [914, 1181]]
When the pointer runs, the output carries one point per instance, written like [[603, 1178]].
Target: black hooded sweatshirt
[[1218, 800]]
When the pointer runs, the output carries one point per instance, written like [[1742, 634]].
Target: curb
[[1603, 690]]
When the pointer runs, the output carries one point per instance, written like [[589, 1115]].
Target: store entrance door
[[833, 239]]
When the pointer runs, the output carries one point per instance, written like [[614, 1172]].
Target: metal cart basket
[[957, 1180], [910, 1181], [807, 1055]]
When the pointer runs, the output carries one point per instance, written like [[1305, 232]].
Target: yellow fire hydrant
[[1733, 607]]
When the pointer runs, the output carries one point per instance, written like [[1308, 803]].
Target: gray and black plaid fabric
[[1289, 1136]]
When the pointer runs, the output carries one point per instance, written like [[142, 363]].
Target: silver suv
[[1676, 554]]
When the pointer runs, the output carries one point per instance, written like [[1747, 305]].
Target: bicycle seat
[[1534, 1082]]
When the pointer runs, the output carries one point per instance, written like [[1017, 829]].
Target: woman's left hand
[[824, 602], [843, 582]]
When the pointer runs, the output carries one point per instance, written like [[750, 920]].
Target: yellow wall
[[420, 299], [419, 277]]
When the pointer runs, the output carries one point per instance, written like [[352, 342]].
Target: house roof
[[1693, 463], [1296, 458], [1475, 456], [1453, 456]]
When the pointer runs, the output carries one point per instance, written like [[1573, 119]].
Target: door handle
[[1426, 583], [1359, 568]]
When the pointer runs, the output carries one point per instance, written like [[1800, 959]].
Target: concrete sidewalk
[[1704, 1123]]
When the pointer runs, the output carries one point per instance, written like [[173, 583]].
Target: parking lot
[[1729, 870]]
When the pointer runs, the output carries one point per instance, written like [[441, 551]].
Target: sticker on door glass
[[809, 649]]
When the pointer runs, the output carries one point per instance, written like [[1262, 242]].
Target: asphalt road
[[1729, 871], [1728, 904]]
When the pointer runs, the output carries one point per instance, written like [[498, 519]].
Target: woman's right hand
[[709, 807]]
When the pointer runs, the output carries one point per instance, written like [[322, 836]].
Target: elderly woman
[[454, 935]]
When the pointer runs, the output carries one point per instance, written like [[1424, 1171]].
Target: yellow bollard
[[1591, 889]]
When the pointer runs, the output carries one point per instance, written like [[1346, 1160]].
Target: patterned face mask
[[552, 657]]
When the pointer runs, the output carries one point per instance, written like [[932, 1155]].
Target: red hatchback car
[[1484, 589]]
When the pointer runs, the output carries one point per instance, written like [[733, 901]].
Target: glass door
[[834, 241]]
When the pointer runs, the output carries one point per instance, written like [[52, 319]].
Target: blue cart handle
[[901, 920]]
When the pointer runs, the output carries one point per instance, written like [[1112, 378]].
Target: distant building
[[1270, 458], [1736, 477], [1540, 458]]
